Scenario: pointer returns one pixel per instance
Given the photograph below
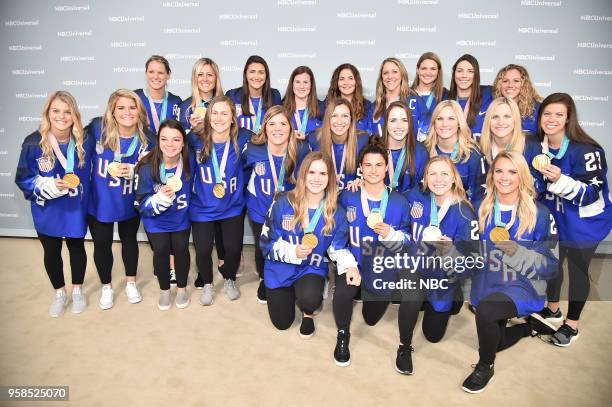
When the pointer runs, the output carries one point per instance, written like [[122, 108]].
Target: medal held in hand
[[72, 180], [373, 219], [175, 183], [310, 240], [540, 161], [114, 169]]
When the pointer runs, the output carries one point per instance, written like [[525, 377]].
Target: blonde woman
[[450, 136], [302, 227], [515, 231], [122, 137], [53, 173], [205, 85], [513, 82], [429, 88]]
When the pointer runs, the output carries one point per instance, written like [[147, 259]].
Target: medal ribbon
[[118, 156], [302, 122], [279, 183], [436, 217], [394, 175], [466, 108], [497, 216], [562, 149], [429, 100], [333, 154], [66, 162], [315, 219], [220, 171], [383, 203], [157, 119], [257, 123], [177, 173]]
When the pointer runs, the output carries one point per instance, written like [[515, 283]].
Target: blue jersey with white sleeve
[[248, 122], [173, 108]]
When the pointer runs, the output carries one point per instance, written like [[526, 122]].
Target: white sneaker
[[107, 298], [79, 302], [59, 303], [133, 295]]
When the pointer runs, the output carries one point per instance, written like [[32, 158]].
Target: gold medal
[[200, 111], [310, 240], [175, 183], [499, 234], [373, 219], [72, 180], [219, 191], [539, 161], [114, 169]]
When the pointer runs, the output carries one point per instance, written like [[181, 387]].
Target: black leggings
[[306, 293], [219, 242], [163, 244], [52, 248], [259, 260], [204, 237], [578, 261], [102, 235], [492, 314]]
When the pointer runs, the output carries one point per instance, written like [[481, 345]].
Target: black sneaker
[[198, 283], [342, 355], [540, 326], [307, 328], [481, 376], [564, 336], [261, 293], [172, 277], [403, 361], [547, 314]]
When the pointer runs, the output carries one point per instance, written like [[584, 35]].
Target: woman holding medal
[[374, 214], [577, 195], [159, 103], [303, 226], [162, 198], [442, 220], [513, 82], [407, 157], [301, 101], [205, 85], [516, 233], [273, 157], [392, 84], [122, 138], [339, 139], [346, 83], [53, 173], [465, 88], [502, 131], [256, 94], [218, 194], [429, 88], [450, 136]]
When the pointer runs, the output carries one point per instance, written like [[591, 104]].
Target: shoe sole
[[259, 300], [342, 364], [478, 391], [206, 305], [135, 300], [402, 372], [78, 311], [182, 306], [198, 287], [105, 307], [306, 336], [565, 345], [163, 307]]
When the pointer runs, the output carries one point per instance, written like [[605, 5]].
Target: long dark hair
[[155, 158], [475, 95], [410, 143], [334, 91], [572, 128], [312, 103], [266, 91]]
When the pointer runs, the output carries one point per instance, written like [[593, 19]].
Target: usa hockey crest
[[260, 168], [99, 147], [417, 210], [44, 164], [287, 222], [351, 214]]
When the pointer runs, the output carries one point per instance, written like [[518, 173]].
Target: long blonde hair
[[457, 188], [438, 85], [76, 130], [262, 138], [517, 140], [324, 135], [526, 211], [110, 127], [528, 95], [195, 92], [297, 196], [204, 130], [381, 93], [464, 134]]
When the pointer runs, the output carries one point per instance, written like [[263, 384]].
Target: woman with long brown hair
[[301, 102], [346, 83]]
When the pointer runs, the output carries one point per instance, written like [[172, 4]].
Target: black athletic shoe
[[198, 283], [540, 326], [547, 314], [403, 361], [479, 379], [261, 293], [342, 355], [307, 328], [564, 336]]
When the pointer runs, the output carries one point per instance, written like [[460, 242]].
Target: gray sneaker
[[208, 294], [164, 300], [182, 299], [231, 289], [79, 302], [59, 303]]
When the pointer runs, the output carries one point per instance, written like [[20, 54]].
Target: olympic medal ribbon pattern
[[302, 122], [342, 160], [279, 181], [67, 163], [257, 117], [540, 160], [219, 188], [393, 174], [157, 120], [376, 215], [432, 233], [173, 180], [310, 239], [500, 232], [114, 168]]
